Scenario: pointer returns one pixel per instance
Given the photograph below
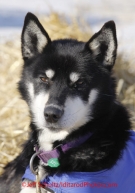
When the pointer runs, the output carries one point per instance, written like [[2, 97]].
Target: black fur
[[111, 120]]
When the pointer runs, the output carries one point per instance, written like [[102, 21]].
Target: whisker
[[76, 112]]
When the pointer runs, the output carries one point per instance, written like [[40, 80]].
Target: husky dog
[[69, 88]]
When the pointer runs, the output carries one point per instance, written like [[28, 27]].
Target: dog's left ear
[[103, 45], [34, 37]]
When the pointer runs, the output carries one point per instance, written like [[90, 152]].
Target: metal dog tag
[[39, 187], [48, 190], [53, 162], [38, 190]]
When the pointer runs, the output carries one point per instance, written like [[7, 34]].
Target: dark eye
[[80, 82], [44, 79]]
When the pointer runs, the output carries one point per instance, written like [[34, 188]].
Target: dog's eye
[[77, 84], [44, 79], [80, 82]]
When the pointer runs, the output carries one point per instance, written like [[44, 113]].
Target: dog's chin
[[53, 127], [58, 128]]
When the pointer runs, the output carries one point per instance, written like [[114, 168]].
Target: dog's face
[[66, 82]]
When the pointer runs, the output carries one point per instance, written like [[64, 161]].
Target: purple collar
[[50, 158], [46, 155]]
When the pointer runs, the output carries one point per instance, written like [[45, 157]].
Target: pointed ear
[[103, 45], [34, 37]]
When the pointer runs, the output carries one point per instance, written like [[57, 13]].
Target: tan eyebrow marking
[[49, 73], [74, 76]]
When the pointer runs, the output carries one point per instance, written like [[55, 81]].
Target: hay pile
[[14, 117]]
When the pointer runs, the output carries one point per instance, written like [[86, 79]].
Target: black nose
[[52, 114]]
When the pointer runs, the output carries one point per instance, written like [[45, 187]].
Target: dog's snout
[[52, 114]]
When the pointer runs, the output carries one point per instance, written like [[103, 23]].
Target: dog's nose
[[52, 114]]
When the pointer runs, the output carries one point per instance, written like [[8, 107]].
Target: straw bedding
[[14, 115]]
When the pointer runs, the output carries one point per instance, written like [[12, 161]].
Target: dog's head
[[67, 83]]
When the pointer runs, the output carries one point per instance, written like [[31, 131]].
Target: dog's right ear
[[34, 37]]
